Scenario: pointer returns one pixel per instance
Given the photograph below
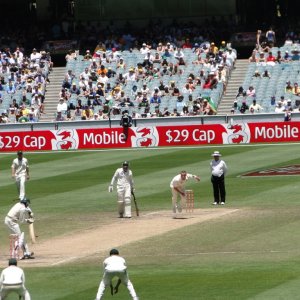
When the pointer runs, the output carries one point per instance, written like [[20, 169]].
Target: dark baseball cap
[[114, 252], [12, 262]]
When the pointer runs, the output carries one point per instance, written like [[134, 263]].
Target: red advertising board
[[150, 136]]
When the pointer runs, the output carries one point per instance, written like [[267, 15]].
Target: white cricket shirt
[[178, 182], [114, 263], [12, 275], [19, 212], [20, 166], [218, 167], [122, 178]]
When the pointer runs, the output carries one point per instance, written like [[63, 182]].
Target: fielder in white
[[20, 213], [123, 178], [178, 188], [12, 279], [115, 266], [20, 172]]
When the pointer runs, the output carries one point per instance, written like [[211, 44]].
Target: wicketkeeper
[[124, 179], [178, 188]]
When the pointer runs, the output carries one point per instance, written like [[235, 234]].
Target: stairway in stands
[[52, 95], [236, 80]]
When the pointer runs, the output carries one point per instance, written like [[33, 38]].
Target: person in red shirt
[[271, 58], [187, 44], [207, 84]]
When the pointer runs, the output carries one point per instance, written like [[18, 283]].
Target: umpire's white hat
[[216, 153]]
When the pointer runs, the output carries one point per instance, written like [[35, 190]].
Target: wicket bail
[[14, 246], [189, 206]]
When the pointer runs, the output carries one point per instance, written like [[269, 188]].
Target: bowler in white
[[177, 186]]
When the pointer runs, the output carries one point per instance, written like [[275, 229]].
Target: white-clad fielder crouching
[[115, 266], [12, 280]]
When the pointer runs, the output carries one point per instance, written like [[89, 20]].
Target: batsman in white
[[124, 179], [115, 266], [20, 172], [178, 188], [20, 213], [12, 279]]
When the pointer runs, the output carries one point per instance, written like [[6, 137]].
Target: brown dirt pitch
[[85, 243]]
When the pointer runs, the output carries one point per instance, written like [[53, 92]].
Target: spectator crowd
[[175, 72], [272, 79], [182, 79], [23, 81]]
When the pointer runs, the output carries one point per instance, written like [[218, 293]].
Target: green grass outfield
[[253, 254]]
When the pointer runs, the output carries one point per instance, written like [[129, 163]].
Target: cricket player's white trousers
[[15, 229], [20, 182], [16, 288], [124, 200], [107, 279], [177, 206]]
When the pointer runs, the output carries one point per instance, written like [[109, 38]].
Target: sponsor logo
[[277, 132], [236, 134], [287, 170], [111, 137], [144, 137], [65, 139]]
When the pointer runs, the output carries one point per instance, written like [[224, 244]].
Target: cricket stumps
[[14, 249], [190, 202]]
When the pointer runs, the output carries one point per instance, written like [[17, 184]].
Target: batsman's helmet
[[125, 163], [25, 201], [114, 252]]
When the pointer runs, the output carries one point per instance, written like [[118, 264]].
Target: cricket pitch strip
[[97, 241]]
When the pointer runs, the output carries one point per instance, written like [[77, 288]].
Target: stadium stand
[[23, 84], [139, 68], [275, 81], [190, 62]]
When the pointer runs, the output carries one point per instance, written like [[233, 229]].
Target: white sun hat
[[216, 153]]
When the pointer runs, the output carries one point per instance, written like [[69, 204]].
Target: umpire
[[218, 170]]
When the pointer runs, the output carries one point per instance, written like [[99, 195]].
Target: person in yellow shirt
[[24, 110], [213, 48], [87, 114]]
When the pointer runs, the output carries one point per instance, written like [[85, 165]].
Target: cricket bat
[[135, 204], [32, 233]]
